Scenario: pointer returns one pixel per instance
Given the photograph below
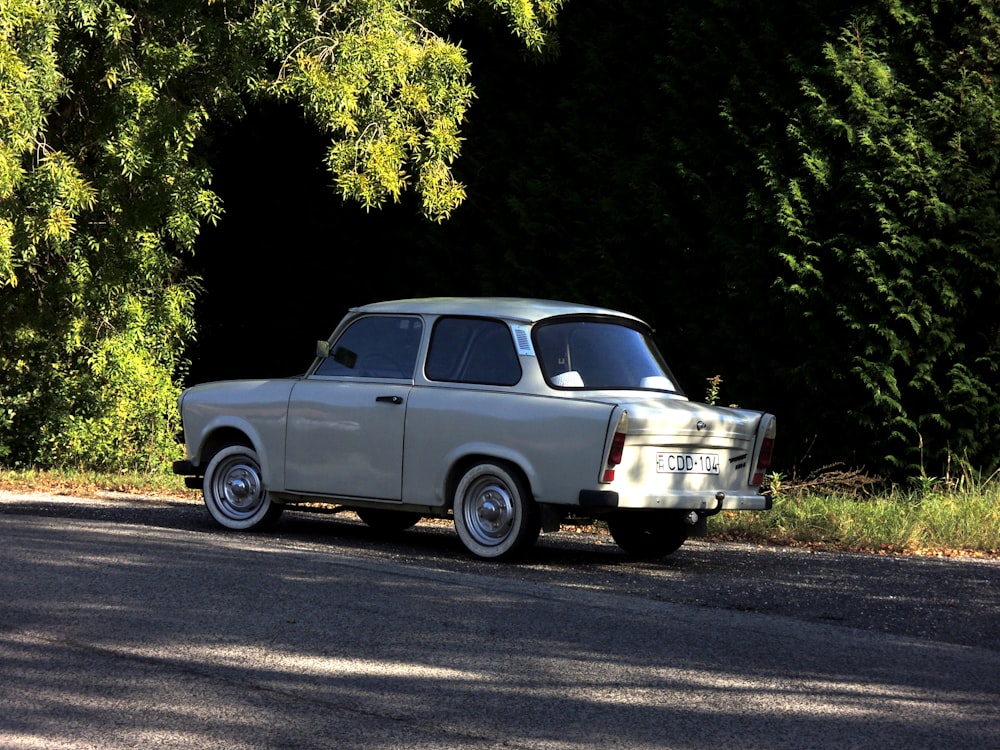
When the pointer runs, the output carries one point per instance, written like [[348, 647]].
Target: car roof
[[520, 309]]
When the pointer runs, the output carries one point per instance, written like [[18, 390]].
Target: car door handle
[[388, 399]]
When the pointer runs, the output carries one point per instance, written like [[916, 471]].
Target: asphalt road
[[134, 623]]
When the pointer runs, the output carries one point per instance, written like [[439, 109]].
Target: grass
[[934, 518], [80, 482]]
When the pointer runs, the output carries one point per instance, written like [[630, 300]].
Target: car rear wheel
[[648, 535], [388, 520], [234, 490], [495, 516]]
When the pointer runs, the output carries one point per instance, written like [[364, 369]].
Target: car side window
[[376, 346], [473, 350]]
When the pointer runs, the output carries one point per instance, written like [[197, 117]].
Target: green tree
[[888, 200], [103, 189]]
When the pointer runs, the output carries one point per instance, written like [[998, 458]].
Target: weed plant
[[932, 517], [79, 482]]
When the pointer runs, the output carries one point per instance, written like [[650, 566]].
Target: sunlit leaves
[[527, 18], [29, 84], [391, 93], [103, 190], [104, 193]]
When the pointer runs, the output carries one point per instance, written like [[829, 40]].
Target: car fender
[[255, 409], [484, 451], [228, 424], [556, 442]]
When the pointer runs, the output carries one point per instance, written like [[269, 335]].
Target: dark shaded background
[[611, 173], [563, 202]]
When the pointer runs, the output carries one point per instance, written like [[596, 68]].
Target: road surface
[[134, 623]]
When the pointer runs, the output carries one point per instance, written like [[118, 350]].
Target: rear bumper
[[708, 502], [711, 501]]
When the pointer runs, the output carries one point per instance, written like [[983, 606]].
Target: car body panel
[[454, 423], [517, 309], [345, 437], [255, 408], [689, 430]]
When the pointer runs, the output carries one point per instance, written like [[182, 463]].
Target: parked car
[[511, 416]]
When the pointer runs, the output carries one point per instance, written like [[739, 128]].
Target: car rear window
[[472, 350], [600, 354]]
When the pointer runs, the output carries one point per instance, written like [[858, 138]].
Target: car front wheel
[[234, 490], [648, 535], [495, 515]]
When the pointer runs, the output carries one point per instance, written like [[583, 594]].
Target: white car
[[509, 415]]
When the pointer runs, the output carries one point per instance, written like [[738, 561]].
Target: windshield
[[597, 354]]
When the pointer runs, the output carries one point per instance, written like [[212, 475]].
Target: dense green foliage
[[889, 208], [97, 194], [801, 196], [875, 192], [103, 191]]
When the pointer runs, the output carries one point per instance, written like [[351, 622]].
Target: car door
[[345, 421]]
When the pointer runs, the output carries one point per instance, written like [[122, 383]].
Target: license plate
[[687, 463]]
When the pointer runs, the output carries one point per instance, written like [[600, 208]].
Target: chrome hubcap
[[489, 515], [241, 490]]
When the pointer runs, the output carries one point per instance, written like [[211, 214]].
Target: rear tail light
[[617, 449], [764, 456]]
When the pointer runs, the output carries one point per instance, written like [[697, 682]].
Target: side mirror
[[323, 349]]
